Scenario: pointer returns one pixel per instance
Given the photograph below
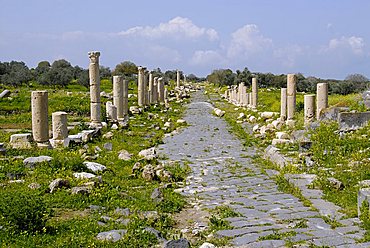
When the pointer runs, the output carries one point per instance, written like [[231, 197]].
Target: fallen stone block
[[21, 141], [353, 121]]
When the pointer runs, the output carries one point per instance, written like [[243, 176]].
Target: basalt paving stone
[[267, 243], [223, 174], [333, 241]]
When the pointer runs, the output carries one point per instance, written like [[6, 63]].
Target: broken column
[[322, 98], [39, 109], [150, 88], [118, 96], [146, 88], [160, 90], [291, 95], [94, 90], [125, 98], [254, 92], [60, 129], [178, 79], [283, 104], [140, 86], [111, 111], [309, 108], [155, 90], [165, 96]]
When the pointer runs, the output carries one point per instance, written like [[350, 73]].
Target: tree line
[[62, 73], [353, 83]]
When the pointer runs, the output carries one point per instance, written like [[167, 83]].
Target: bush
[[23, 211]]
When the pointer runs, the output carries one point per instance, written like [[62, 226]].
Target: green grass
[[71, 224]]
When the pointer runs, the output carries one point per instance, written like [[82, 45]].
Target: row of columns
[[288, 100], [239, 95], [150, 90]]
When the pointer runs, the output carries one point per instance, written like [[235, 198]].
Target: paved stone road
[[224, 174]]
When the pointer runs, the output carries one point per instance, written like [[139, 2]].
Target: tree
[[60, 73], [356, 78], [104, 72], [15, 73], [221, 77], [126, 68]]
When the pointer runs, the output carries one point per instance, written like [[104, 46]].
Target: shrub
[[23, 211]]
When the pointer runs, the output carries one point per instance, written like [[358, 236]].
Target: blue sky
[[323, 38]]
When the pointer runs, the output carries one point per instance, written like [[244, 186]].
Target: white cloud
[[288, 56], [247, 41], [353, 43], [176, 28], [207, 57]]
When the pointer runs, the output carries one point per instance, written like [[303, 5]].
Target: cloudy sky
[[323, 38]]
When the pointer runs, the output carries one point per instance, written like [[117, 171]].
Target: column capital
[[94, 56]]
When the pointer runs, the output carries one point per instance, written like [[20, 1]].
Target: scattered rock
[[267, 115], [335, 183], [58, 183], [148, 154], [109, 135], [135, 110], [112, 235], [241, 116], [136, 168], [156, 233], [5, 93], [21, 141], [207, 245], [148, 172], [252, 119], [108, 146], [364, 184], [124, 155], [82, 190], [218, 112], [31, 162], [178, 243], [122, 211], [181, 121], [94, 167], [83, 175], [34, 186], [282, 135], [280, 141], [157, 195]]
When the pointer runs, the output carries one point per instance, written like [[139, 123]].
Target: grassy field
[[344, 157], [67, 219]]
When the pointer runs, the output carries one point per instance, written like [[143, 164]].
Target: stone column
[[309, 108], [150, 88], [165, 95], [95, 104], [146, 88], [140, 86], [160, 90], [250, 99], [322, 98], [111, 111], [125, 98], [283, 102], [291, 95], [254, 93], [60, 129], [39, 109], [118, 95], [178, 79], [155, 90]]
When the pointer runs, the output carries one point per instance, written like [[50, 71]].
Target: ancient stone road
[[223, 174]]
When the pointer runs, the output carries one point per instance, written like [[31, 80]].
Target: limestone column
[[254, 93], [291, 95], [250, 99], [309, 108], [140, 86], [125, 98], [39, 109], [118, 95], [322, 98], [160, 90], [146, 88], [283, 102], [60, 129], [155, 90], [165, 95], [111, 111], [95, 105], [150, 88], [178, 79]]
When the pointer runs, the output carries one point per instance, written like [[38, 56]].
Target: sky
[[321, 38]]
